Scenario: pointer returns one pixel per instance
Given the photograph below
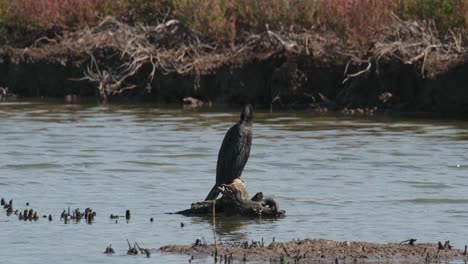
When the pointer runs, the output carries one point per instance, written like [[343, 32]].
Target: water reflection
[[225, 226], [233, 228]]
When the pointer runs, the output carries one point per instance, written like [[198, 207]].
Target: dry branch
[[367, 69], [419, 44], [131, 47], [118, 51]]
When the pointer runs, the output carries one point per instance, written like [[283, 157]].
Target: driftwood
[[235, 201]]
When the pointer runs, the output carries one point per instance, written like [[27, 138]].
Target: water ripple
[[344, 178], [435, 201], [32, 166]]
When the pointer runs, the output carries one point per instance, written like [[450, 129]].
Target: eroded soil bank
[[320, 250], [416, 73]]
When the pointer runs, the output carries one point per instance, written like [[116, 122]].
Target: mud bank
[[278, 70], [325, 251], [261, 82]]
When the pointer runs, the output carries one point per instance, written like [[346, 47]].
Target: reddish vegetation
[[358, 20], [48, 13], [361, 20]]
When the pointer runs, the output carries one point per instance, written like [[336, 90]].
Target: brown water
[[343, 178]]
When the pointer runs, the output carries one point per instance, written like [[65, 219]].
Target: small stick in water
[[131, 250], [214, 231], [127, 214]]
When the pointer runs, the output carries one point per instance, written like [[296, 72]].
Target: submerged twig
[[214, 231]]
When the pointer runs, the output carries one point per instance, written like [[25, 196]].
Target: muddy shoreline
[[321, 250], [274, 70]]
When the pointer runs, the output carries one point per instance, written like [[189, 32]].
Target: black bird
[[234, 151]]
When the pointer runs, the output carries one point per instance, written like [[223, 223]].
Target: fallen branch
[[235, 201], [367, 69]]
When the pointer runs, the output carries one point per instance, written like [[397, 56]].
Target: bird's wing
[[228, 153], [243, 155]]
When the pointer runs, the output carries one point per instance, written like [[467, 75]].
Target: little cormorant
[[234, 151]]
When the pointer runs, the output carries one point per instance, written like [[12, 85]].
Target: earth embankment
[[409, 71]]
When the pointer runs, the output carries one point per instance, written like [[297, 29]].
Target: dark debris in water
[[409, 241], [293, 251], [127, 214], [132, 250], [76, 216], [25, 215], [109, 250], [136, 248]]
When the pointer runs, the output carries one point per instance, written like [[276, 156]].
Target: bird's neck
[[246, 122]]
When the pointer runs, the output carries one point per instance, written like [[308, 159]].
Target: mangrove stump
[[236, 202]]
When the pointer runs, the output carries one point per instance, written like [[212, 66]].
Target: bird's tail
[[213, 194]]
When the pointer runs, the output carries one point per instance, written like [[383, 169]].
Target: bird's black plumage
[[234, 151]]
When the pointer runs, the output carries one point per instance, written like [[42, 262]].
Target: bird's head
[[247, 114]]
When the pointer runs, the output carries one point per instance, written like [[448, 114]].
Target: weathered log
[[235, 201]]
